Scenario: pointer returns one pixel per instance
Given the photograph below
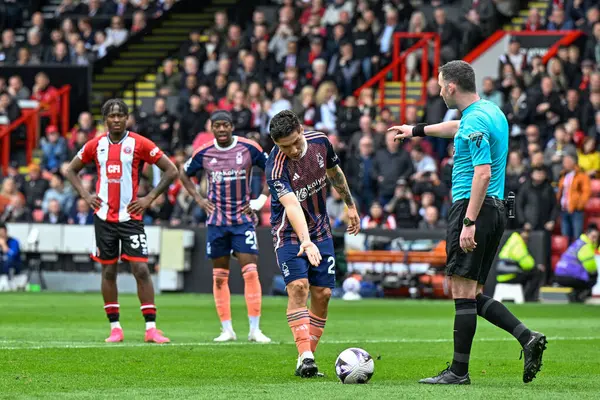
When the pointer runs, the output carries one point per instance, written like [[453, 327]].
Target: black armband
[[419, 130]]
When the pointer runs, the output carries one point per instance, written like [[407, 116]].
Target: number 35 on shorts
[[137, 241]]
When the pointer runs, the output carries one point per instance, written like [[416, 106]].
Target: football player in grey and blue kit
[[476, 220]]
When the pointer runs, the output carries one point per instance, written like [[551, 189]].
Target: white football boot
[[257, 336]]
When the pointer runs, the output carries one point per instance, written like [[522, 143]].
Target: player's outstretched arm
[[338, 181], [72, 176], [445, 130], [294, 212], [187, 183]]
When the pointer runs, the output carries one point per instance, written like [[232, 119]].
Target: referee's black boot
[[533, 351], [447, 377]]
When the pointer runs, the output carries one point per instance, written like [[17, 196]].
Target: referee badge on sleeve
[[476, 137]]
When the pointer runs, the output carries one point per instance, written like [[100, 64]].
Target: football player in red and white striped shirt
[[119, 156]]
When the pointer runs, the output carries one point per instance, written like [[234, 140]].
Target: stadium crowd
[[310, 58]]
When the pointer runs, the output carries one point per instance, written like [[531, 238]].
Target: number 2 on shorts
[[331, 268]]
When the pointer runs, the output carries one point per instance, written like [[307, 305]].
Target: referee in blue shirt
[[476, 220]]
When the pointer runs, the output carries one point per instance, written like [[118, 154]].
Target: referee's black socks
[[498, 314], [465, 324]]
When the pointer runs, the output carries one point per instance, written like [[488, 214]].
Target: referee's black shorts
[[489, 228]]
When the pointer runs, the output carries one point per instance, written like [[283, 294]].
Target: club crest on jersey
[[320, 160], [239, 158], [279, 187], [127, 150]]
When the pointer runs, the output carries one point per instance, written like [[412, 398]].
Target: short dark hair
[[284, 124], [539, 169], [2, 226], [591, 227], [460, 73], [114, 102]]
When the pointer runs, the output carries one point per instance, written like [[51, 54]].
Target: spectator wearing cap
[[59, 192], [54, 149], [573, 194]]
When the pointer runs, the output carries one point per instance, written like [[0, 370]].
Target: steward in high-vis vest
[[577, 267], [516, 265]]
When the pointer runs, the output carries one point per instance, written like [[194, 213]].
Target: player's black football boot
[[533, 351], [307, 369], [447, 377]]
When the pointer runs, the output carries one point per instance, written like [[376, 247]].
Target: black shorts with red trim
[[130, 235]]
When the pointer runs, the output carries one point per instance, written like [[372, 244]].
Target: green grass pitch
[[51, 346]]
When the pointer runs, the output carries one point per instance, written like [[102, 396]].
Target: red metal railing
[[398, 67], [57, 109]]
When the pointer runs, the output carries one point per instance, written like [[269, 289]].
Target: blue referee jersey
[[482, 138]]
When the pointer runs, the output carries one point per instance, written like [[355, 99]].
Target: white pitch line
[[98, 345]]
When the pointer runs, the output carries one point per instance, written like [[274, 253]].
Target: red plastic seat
[[596, 187], [593, 206], [559, 244], [555, 258]]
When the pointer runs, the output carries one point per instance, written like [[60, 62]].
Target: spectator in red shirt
[[43, 91]]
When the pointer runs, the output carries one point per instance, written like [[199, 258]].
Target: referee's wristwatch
[[468, 222]]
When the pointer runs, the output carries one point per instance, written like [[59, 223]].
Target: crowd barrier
[[177, 257]]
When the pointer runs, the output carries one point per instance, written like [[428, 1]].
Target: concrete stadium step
[[122, 70], [145, 63], [169, 40], [145, 54], [114, 78], [145, 47]]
